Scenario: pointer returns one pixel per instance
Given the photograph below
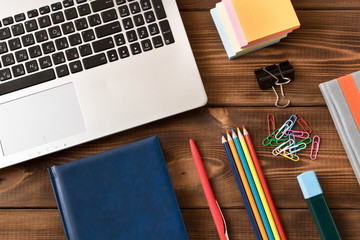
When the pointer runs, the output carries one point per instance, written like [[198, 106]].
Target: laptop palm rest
[[40, 118]]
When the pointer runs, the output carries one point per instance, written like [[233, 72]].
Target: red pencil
[[263, 183]]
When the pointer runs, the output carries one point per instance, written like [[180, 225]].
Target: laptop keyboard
[[72, 36]]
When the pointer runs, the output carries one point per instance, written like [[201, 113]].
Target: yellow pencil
[[258, 185]]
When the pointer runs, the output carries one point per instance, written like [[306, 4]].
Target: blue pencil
[[241, 187], [252, 186]]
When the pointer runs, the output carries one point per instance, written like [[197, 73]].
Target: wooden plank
[[27, 184], [45, 224], [325, 47]]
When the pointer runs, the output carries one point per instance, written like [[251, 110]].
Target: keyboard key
[[57, 17], [131, 36], [166, 31], [68, 28], [8, 59], [75, 39], [44, 10], [84, 9], [135, 48], [81, 24], [44, 21], [56, 6], [139, 20], [28, 40], [99, 5], [85, 50], [109, 15], [145, 4], [157, 42], [75, 67], [103, 44], [142, 32], [48, 47], [62, 71], [127, 23], [153, 29], [17, 29], [146, 45], [123, 52], [61, 43], [3, 47], [124, 11], [33, 13], [72, 54], [14, 44], [31, 25], [88, 35], [119, 2], [68, 3], [18, 70], [108, 29], [80, 1], [71, 13], [45, 62], [134, 7], [54, 32], [20, 17], [159, 9], [31, 66], [149, 16], [5, 33], [119, 39], [5, 74], [58, 58], [94, 61], [21, 55], [27, 81], [41, 36], [8, 21], [35, 51], [112, 55], [94, 20]]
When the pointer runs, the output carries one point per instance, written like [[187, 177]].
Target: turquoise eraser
[[309, 184]]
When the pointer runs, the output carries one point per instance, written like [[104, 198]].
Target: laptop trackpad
[[40, 118]]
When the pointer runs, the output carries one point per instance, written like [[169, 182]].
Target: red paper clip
[[316, 140], [303, 124], [271, 123]]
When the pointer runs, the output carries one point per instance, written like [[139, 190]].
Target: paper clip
[[297, 148], [271, 123], [292, 136], [316, 140], [283, 129], [303, 124], [290, 156], [307, 141], [279, 149], [277, 142], [298, 134], [293, 121]]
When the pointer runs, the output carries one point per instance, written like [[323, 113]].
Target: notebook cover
[[124, 193], [345, 119]]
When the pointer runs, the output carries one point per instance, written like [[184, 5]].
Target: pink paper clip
[[297, 134], [271, 123], [316, 140], [303, 124]]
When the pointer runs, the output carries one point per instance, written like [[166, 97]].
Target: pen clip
[[222, 216]]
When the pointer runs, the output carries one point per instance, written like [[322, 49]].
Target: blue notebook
[[124, 193]]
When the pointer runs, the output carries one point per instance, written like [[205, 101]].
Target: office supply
[[245, 182], [255, 192], [213, 204], [288, 155], [283, 147], [123, 193], [271, 123], [303, 124], [315, 146], [74, 71], [276, 75], [241, 189], [258, 186], [297, 134], [297, 147], [263, 183], [282, 130], [320, 212], [342, 98]]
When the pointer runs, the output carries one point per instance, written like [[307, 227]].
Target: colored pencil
[[246, 185], [263, 183], [241, 188], [254, 191]]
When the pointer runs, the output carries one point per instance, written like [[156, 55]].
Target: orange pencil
[[246, 187]]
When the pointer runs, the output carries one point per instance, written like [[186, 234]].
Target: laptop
[[77, 70]]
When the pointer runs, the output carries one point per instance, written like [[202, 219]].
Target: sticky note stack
[[248, 25]]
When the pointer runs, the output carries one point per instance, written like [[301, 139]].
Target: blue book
[[124, 193]]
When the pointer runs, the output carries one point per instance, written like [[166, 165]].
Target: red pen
[[213, 205]]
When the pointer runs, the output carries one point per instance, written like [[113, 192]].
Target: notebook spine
[[59, 199]]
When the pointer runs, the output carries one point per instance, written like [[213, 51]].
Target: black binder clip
[[276, 75]]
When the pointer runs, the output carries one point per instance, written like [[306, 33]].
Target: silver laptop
[[77, 70]]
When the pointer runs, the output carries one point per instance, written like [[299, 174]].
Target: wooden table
[[325, 47]]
